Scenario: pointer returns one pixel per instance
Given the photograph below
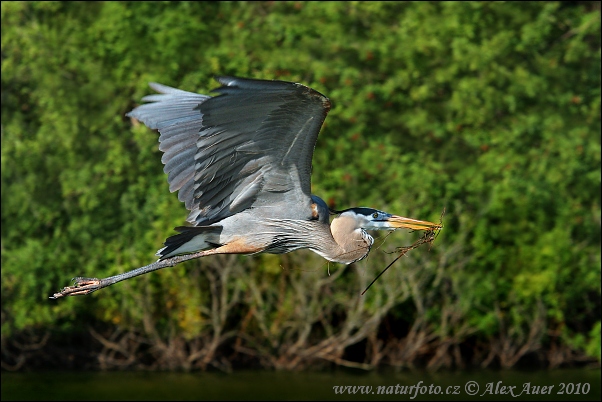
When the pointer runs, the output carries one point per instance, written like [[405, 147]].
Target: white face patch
[[378, 225], [369, 219]]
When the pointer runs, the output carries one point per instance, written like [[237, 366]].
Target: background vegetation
[[491, 110]]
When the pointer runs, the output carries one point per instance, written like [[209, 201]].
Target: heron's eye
[[375, 215]]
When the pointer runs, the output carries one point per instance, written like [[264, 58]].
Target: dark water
[[569, 384]]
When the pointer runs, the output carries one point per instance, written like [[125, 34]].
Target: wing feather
[[249, 145]]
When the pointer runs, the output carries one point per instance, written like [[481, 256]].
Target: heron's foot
[[81, 286]]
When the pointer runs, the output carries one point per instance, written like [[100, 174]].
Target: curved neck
[[349, 242]]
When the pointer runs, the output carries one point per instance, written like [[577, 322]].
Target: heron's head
[[373, 219]]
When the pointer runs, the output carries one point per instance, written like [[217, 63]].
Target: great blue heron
[[241, 162]]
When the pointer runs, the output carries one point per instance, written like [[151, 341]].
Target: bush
[[491, 110]]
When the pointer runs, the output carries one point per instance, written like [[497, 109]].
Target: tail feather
[[190, 239]]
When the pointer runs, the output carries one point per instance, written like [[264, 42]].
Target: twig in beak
[[429, 237]]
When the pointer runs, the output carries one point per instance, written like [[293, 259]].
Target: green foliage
[[489, 109]]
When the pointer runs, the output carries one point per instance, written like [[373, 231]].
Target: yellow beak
[[407, 223]]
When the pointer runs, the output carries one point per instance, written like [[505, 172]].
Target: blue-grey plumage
[[230, 152], [241, 163]]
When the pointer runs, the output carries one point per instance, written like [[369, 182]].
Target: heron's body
[[341, 242], [241, 163]]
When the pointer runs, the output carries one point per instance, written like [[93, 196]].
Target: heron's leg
[[84, 286]]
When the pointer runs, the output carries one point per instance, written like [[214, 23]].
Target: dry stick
[[429, 237]]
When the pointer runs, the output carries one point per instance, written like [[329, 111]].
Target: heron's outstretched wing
[[251, 145]]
